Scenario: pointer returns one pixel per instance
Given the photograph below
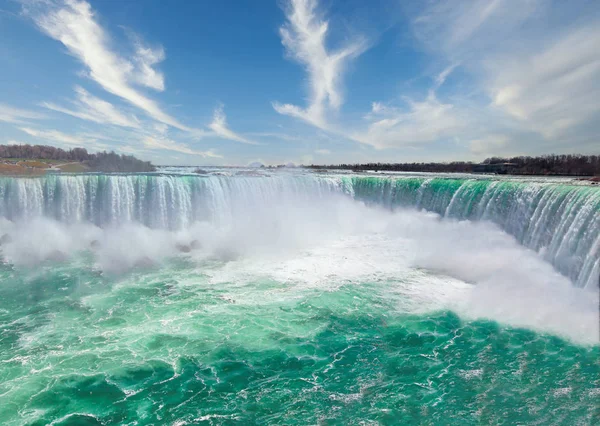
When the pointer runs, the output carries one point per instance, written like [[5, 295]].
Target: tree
[[100, 162]]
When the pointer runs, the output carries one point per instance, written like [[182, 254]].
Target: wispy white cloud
[[56, 136], [161, 128], [323, 151], [73, 24], [441, 77], [380, 109], [421, 122], [540, 79], [489, 145], [304, 37], [155, 142], [138, 141], [537, 63], [151, 137], [553, 90], [145, 58], [464, 30], [220, 128], [14, 115], [276, 135], [424, 121], [92, 108]]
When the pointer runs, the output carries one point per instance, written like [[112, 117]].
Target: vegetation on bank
[[558, 165], [39, 159]]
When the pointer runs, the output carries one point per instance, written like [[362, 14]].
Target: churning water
[[297, 298]]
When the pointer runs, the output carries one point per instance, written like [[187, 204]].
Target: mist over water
[[181, 297], [560, 221]]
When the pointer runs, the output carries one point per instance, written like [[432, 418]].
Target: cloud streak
[[538, 63], [145, 58], [57, 137], [304, 36], [554, 90], [220, 128], [74, 25], [529, 72], [155, 142], [14, 115], [423, 122], [92, 108]]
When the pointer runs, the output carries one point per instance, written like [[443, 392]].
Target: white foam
[[424, 262]]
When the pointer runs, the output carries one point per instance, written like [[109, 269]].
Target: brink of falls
[[559, 220], [298, 298]]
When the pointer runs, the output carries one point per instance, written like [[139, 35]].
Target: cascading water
[[561, 221], [298, 298]]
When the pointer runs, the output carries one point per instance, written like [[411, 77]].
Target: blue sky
[[231, 82]]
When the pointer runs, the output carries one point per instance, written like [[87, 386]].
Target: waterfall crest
[[560, 221]]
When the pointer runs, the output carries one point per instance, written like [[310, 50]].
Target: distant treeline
[[566, 165], [100, 162], [111, 162]]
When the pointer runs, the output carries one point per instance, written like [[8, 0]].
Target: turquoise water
[[336, 313], [168, 347]]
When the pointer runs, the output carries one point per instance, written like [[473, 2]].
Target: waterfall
[[558, 220]]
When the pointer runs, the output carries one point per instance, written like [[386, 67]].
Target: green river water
[[361, 326]]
